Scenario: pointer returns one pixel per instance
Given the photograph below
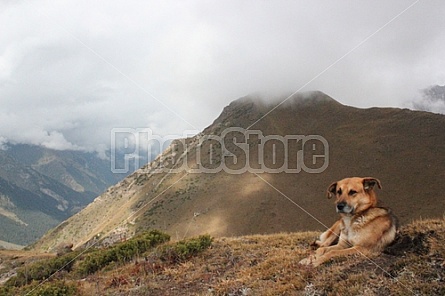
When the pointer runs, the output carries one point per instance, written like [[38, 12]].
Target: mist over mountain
[[201, 185], [431, 99]]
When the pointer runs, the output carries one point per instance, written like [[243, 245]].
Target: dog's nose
[[340, 206]]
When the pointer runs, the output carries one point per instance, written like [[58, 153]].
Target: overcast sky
[[70, 71]]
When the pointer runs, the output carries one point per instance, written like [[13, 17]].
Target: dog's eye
[[339, 191], [352, 192]]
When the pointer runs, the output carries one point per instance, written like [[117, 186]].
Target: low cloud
[[72, 71], [431, 99]]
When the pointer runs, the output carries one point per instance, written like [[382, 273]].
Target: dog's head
[[354, 195]]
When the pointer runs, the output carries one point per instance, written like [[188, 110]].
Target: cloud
[[431, 99], [72, 71]]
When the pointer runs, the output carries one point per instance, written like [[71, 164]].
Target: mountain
[[80, 171], [201, 184], [40, 187]]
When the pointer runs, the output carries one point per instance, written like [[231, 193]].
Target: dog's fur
[[363, 227]]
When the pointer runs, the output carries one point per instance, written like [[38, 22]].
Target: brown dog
[[363, 227]]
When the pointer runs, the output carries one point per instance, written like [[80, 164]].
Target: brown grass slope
[[404, 149], [268, 265]]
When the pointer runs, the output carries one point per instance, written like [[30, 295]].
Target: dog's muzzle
[[344, 208]]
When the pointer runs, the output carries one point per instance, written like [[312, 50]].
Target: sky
[[71, 72]]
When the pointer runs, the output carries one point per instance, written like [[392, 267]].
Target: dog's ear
[[369, 183], [332, 189]]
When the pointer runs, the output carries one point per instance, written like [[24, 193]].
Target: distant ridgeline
[[40, 187]]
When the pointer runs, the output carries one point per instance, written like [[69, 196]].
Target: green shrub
[[6, 290], [121, 253], [91, 261], [41, 270], [185, 249], [53, 288]]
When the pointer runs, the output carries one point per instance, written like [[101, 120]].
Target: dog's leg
[[320, 253], [311, 259], [335, 251], [328, 237]]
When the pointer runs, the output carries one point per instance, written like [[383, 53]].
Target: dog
[[364, 228]]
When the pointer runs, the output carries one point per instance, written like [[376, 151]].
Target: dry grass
[[268, 265], [231, 266]]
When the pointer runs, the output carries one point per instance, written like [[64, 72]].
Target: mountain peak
[[251, 108], [299, 98]]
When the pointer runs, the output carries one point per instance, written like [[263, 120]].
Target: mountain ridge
[[40, 187], [402, 148]]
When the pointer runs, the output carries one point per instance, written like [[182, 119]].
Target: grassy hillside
[[251, 265]]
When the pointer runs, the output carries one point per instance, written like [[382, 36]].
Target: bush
[[121, 253], [185, 249], [54, 288], [92, 261], [41, 270]]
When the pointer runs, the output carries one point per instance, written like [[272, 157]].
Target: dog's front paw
[[308, 261], [320, 251]]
